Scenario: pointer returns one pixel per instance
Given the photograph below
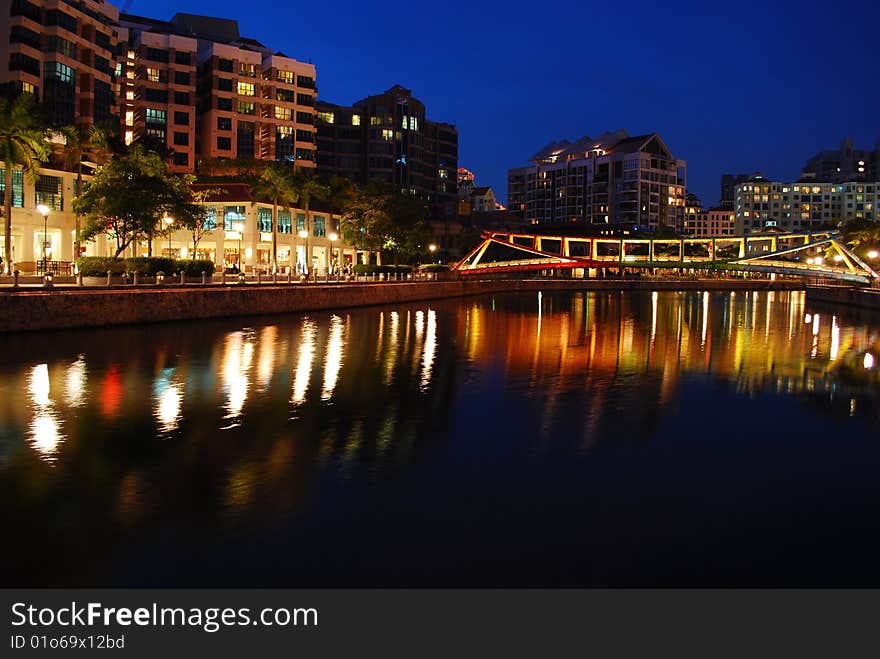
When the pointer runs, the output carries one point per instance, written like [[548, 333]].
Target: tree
[[862, 235], [128, 196], [276, 185], [306, 188], [196, 223], [79, 143], [22, 143], [379, 219]]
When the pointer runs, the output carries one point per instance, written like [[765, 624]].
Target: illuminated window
[[326, 117], [152, 74], [246, 108], [282, 113], [245, 89], [129, 137], [248, 70], [129, 95], [285, 76], [28, 88], [387, 134], [129, 117], [355, 120], [375, 121]]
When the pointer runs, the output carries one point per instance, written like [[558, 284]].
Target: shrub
[[97, 266], [194, 268], [434, 267], [369, 269], [150, 265]]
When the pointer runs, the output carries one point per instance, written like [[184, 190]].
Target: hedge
[[369, 269], [150, 265], [434, 267], [97, 266], [194, 268]]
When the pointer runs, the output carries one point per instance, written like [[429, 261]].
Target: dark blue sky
[[735, 88]]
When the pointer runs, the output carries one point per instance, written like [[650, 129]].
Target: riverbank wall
[[25, 310], [862, 298]]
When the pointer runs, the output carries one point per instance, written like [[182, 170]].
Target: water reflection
[[470, 386]]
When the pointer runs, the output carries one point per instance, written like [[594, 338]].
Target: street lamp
[[239, 227], [333, 237], [432, 248], [873, 254], [168, 221], [304, 234], [43, 210]]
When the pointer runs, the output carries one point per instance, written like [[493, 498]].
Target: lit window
[[129, 95], [326, 117], [246, 108], [387, 134], [28, 88], [129, 117], [286, 77], [355, 120], [282, 113], [130, 54], [246, 89], [129, 136], [152, 74]]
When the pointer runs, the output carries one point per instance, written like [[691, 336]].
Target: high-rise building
[[244, 100], [612, 179], [192, 85], [728, 187], [64, 52], [387, 137], [803, 206], [843, 164]]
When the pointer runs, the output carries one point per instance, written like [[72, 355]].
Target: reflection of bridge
[[816, 255]]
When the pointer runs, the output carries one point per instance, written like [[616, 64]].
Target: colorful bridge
[[814, 255]]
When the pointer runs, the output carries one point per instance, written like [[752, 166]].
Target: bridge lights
[[873, 254]]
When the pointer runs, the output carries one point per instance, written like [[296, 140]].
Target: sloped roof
[[482, 191]]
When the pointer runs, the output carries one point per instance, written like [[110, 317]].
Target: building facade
[[803, 206], [613, 179], [843, 164], [388, 138], [64, 53], [700, 222], [192, 87], [240, 232]]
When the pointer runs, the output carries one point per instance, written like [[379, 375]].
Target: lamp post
[[43, 210], [168, 221], [333, 237], [239, 227], [304, 234], [432, 248]]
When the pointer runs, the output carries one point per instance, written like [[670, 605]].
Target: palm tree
[[80, 142], [308, 188], [23, 143], [275, 185]]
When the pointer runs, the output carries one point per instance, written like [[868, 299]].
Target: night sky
[[740, 87]]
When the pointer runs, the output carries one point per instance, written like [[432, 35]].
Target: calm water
[[564, 439]]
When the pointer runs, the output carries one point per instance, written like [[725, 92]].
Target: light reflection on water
[[307, 404]]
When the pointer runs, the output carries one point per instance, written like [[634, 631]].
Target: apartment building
[[612, 179], [243, 100], [803, 205], [843, 164], [387, 137], [64, 52], [700, 222]]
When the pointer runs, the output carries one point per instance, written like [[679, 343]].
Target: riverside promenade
[[62, 307]]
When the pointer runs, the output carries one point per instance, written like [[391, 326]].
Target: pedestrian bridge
[[814, 255]]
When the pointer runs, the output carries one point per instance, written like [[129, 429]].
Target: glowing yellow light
[[873, 254], [168, 408], [303, 371], [869, 360], [429, 349]]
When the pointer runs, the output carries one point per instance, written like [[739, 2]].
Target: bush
[[369, 269], [434, 267], [194, 268], [97, 266], [150, 265]]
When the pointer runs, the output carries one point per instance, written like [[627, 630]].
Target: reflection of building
[[762, 204], [388, 138], [614, 178]]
